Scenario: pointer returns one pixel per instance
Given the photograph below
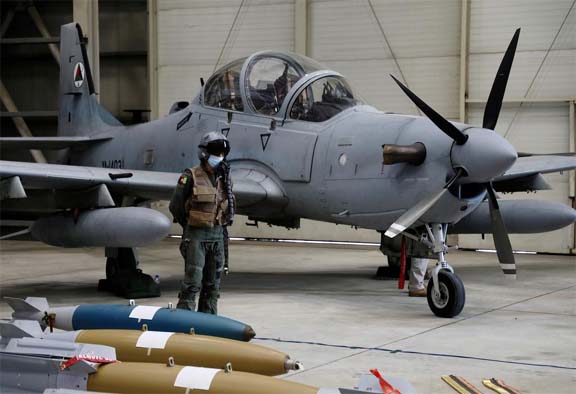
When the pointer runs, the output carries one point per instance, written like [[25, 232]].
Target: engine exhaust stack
[[414, 154]]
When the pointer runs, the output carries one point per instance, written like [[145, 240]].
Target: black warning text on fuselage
[[113, 163]]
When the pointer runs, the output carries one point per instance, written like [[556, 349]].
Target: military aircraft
[[304, 145]]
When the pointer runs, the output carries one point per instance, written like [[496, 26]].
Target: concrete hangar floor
[[320, 305]]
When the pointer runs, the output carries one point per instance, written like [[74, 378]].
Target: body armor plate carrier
[[207, 205]]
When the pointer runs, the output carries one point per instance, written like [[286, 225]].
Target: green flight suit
[[203, 251]]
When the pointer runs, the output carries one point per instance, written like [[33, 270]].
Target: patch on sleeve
[[183, 179]]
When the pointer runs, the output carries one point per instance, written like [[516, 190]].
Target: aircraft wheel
[[450, 301]]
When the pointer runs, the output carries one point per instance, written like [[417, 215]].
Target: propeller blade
[[416, 212], [448, 128], [501, 239], [494, 103]]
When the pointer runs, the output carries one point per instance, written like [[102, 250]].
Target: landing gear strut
[[124, 278], [446, 295]]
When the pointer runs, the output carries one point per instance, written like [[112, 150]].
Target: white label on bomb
[[144, 312], [153, 339], [195, 378]]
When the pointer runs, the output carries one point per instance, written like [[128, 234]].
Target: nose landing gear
[[445, 292], [446, 295]]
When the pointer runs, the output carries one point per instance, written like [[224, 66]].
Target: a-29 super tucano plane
[[303, 146]]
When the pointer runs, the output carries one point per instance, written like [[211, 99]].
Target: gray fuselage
[[330, 171]]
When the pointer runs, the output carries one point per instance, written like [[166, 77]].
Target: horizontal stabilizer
[[49, 143], [532, 165], [528, 183], [29, 305]]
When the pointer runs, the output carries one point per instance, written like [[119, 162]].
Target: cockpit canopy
[[223, 89], [322, 99], [263, 82]]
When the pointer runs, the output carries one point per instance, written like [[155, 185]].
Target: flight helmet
[[213, 143]]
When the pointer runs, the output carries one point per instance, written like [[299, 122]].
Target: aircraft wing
[[534, 165], [48, 143], [251, 185]]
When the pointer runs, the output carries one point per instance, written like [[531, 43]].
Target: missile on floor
[[128, 317], [160, 378], [158, 347], [185, 349], [35, 365]]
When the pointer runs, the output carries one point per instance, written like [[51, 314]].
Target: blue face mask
[[214, 161]]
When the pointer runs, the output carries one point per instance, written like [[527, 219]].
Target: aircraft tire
[[452, 295]]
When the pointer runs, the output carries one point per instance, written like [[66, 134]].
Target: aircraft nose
[[484, 156]]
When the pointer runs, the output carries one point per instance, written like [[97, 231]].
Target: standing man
[[417, 287], [203, 204]]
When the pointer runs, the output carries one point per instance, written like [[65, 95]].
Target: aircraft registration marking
[[113, 163]]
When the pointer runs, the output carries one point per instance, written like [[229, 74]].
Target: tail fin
[[20, 329], [80, 113], [30, 309]]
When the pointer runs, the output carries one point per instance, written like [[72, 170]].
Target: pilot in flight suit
[[203, 204]]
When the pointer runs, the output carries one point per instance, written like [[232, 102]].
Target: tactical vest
[[207, 205]]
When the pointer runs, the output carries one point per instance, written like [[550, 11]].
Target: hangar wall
[[539, 97], [419, 41], [116, 30]]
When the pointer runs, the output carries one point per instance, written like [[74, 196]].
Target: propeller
[[491, 114]]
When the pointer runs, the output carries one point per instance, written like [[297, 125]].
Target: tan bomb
[[187, 349], [144, 378]]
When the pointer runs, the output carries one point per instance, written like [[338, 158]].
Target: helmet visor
[[218, 147]]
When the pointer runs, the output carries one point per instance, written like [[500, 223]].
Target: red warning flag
[[402, 277], [386, 387]]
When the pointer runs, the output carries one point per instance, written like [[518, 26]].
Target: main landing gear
[[124, 278]]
